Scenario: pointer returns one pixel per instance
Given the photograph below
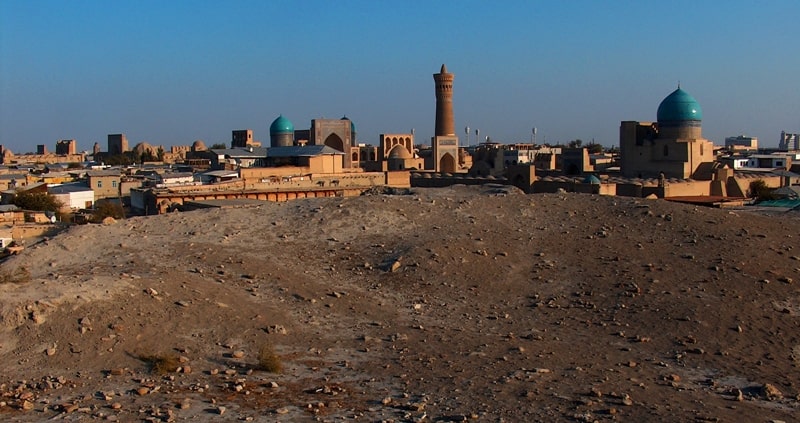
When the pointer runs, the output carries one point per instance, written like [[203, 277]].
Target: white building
[[73, 196], [769, 161]]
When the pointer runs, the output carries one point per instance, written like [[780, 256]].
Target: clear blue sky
[[171, 72]]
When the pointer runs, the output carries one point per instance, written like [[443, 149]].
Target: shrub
[[18, 275], [268, 361], [161, 364]]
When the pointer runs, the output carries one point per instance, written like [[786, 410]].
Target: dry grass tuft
[[269, 361], [18, 275], [162, 364]]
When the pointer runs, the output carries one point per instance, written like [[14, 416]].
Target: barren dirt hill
[[466, 303]]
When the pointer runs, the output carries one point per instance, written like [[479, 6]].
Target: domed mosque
[[681, 111], [338, 134], [672, 147], [281, 132]]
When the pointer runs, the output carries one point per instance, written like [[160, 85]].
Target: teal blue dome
[[591, 179], [679, 106], [281, 125], [352, 125]]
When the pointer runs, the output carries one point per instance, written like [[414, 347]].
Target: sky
[[172, 72]]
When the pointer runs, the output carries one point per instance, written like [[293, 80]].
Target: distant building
[[741, 142], [243, 138], [789, 141], [575, 161], [117, 144], [672, 147], [396, 152], [64, 147], [339, 134], [65, 152]]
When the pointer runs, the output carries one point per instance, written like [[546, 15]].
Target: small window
[[99, 184], [113, 184]]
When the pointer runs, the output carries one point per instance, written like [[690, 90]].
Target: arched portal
[[447, 163], [335, 142]]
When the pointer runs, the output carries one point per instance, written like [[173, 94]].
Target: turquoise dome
[[591, 179], [679, 106], [281, 125], [352, 125]]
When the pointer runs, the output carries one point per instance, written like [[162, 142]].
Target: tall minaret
[[445, 124]]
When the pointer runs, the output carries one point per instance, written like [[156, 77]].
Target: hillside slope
[[446, 305]]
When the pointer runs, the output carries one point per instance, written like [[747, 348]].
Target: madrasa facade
[[339, 134]]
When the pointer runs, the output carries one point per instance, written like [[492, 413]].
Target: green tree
[[594, 148], [218, 146], [760, 191], [147, 156], [160, 154], [119, 159], [104, 209], [576, 143], [40, 201]]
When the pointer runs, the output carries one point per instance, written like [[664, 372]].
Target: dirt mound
[[441, 304]]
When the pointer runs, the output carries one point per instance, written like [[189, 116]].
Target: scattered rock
[[770, 392]]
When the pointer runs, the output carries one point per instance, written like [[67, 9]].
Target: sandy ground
[[458, 304]]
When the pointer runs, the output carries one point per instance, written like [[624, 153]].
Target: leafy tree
[[160, 154], [147, 156], [119, 159], [576, 143], [760, 190], [40, 201], [104, 209], [218, 146], [594, 148]]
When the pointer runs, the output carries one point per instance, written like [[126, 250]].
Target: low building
[[769, 161], [73, 196], [105, 183]]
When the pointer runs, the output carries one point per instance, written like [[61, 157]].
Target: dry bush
[[162, 364], [18, 275], [268, 361]]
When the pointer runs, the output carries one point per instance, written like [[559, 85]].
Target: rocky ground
[[458, 304]]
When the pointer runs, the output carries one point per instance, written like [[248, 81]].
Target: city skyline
[[169, 74]]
